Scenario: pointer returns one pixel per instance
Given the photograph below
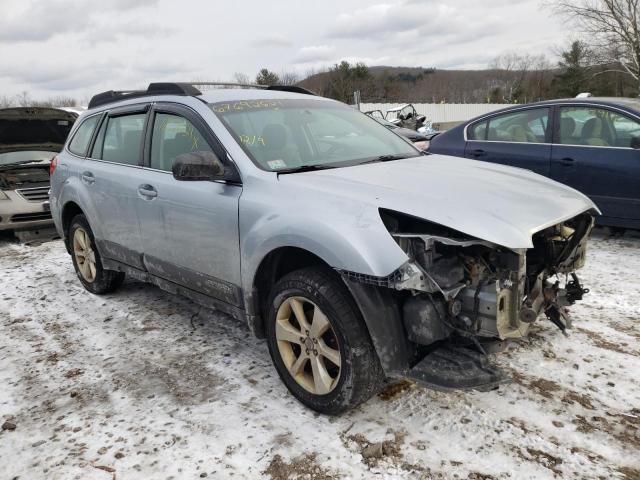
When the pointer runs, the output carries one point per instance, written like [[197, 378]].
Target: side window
[[525, 126], [82, 137], [172, 136], [119, 139], [477, 131], [597, 127]]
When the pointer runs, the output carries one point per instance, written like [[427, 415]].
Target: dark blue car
[[590, 144]]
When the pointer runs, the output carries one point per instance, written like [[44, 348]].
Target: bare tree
[[613, 26], [23, 99], [289, 78], [511, 70], [242, 78], [6, 101]]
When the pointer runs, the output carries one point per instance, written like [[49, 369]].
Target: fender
[[350, 236]]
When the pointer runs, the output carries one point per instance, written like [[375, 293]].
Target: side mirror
[[196, 166]]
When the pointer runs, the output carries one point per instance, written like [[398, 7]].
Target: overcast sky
[[80, 47]]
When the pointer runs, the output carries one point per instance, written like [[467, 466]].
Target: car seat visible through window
[[592, 133]]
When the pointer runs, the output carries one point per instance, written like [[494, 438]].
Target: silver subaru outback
[[355, 255]]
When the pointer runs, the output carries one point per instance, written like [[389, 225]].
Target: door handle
[[88, 178], [147, 191], [567, 161], [478, 153]]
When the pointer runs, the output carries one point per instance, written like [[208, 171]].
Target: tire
[[93, 276], [359, 375]]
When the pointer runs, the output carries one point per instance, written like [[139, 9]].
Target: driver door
[[189, 228], [593, 153]]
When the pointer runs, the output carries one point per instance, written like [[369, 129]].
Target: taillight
[[53, 165]]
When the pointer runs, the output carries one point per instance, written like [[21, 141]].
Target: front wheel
[[318, 342], [86, 259]]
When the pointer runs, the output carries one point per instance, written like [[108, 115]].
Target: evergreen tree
[[267, 77]]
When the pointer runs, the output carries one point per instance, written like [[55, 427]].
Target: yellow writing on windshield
[[246, 105], [252, 140]]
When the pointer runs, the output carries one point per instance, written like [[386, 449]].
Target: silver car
[[29, 138], [358, 257]]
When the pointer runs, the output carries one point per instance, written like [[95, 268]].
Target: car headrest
[[592, 128], [567, 127]]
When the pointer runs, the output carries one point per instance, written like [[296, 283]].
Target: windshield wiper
[[304, 168], [388, 158]]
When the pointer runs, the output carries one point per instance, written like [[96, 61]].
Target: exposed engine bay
[[16, 177], [478, 290]]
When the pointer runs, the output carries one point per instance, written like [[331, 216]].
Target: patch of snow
[[142, 384]]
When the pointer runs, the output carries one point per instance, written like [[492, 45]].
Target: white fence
[[441, 112]]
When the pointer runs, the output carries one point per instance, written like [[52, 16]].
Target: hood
[[503, 205], [34, 128]]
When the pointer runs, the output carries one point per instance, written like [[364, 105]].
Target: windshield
[[28, 156], [291, 134]]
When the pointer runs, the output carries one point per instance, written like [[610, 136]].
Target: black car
[[590, 144]]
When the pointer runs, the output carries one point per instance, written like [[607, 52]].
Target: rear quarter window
[[80, 141]]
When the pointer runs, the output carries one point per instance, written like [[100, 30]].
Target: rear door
[[519, 138], [594, 153], [189, 228], [111, 174]]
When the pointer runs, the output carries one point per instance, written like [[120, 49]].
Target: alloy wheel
[[308, 345], [84, 254]]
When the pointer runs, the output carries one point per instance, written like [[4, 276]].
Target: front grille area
[[38, 194], [31, 217]]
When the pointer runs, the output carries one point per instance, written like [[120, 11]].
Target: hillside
[[428, 85]]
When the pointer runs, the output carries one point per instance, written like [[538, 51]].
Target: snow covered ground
[[143, 385]]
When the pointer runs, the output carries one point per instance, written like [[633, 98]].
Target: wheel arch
[[273, 266], [69, 211], [377, 306]]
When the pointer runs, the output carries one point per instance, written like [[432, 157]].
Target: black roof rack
[[182, 88], [280, 88], [290, 88], [153, 89]]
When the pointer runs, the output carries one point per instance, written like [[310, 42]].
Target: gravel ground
[[141, 385]]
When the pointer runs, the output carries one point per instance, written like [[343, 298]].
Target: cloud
[[315, 53], [379, 20], [272, 41], [39, 21], [104, 32]]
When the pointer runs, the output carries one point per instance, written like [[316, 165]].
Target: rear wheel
[[86, 259], [318, 342]]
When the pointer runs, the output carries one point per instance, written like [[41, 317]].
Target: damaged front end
[[461, 296]]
